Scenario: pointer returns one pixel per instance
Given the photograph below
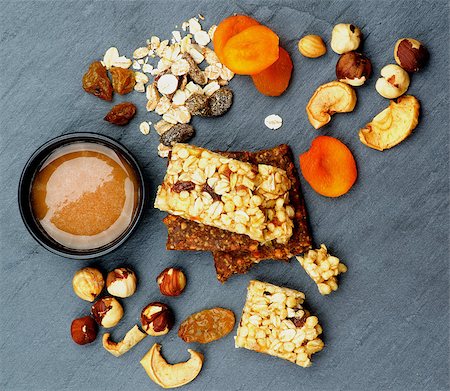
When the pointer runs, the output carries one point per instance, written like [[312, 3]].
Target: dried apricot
[[207, 326], [96, 81], [251, 51], [123, 80], [329, 167], [121, 113], [228, 28], [274, 80]]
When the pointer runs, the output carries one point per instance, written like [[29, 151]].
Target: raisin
[[220, 101], [96, 81], [177, 134], [123, 80], [208, 189], [198, 104], [195, 73], [207, 326], [121, 113], [180, 186]]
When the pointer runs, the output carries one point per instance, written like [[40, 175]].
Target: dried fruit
[[410, 54], [394, 81], [157, 319], [172, 281], [123, 80], [220, 101], [121, 114], [132, 338], [83, 330], [330, 98], [353, 68], [197, 104], [180, 186], [228, 28], [392, 125], [195, 73], [207, 325], [179, 133], [251, 51], [274, 80], [96, 81], [312, 46], [329, 167]]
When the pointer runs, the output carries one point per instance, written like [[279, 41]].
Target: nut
[[157, 319], [171, 282], [312, 46], [345, 38], [107, 311], [410, 54], [87, 283], [394, 82], [83, 330], [330, 98], [392, 125], [353, 68], [121, 282]]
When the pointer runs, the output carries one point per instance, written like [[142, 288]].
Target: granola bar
[[226, 193], [274, 322], [323, 268]]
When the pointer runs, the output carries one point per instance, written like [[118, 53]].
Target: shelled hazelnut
[[107, 311], [394, 82], [353, 68], [157, 319], [121, 282], [171, 282], [83, 330], [312, 46], [345, 38], [87, 283], [410, 54]]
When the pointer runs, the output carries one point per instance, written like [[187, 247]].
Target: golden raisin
[[96, 81], [123, 80], [121, 113]]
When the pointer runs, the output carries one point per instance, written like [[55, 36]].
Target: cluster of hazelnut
[[88, 283]]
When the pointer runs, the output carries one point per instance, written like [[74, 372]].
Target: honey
[[85, 195]]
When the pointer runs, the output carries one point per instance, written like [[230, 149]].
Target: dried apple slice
[[132, 338], [167, 375], [392, 125], [330, 98]]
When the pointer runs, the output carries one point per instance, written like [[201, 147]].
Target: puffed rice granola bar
[[274, 322], [323, 268], [240, 197]]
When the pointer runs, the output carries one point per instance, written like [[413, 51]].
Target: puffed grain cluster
[[274, 322], [226, 193], [323, 268]]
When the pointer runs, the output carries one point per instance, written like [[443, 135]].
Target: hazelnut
[[87, 283], [394, 82], [312, 46], [345, 38], [107, 311], [171, 282], [157, 319], [410, 54], [121, 282], [83, 330], [353, 68]]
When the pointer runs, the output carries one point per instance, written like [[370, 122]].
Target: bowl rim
[[27, 176]]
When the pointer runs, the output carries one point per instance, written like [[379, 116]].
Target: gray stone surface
[[386, 328]]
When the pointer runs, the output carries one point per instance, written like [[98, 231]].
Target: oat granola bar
[[274, 322], [226, 193]]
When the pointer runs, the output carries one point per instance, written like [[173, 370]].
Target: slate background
[[387, 325]]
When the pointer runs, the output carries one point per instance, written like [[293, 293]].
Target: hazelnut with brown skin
[[121, 282], [410, 54], [87, 283], [171, 282], [83, 330], [107, 311], [353, 68], [157, 319]]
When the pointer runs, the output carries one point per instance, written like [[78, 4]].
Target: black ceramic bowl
[[32, 167]]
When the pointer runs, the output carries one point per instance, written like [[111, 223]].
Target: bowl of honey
[[81, 195]]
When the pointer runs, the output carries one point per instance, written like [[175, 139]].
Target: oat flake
[[273, 121]]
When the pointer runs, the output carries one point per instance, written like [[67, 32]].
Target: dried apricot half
[[252, 50], [274, 80], [329, 167], [228, 28]]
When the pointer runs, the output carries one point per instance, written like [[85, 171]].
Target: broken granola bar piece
[[274, 322]]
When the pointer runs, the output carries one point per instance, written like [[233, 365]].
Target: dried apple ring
[[252, 50], [329, 167], [274, 80], [228, 28]]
